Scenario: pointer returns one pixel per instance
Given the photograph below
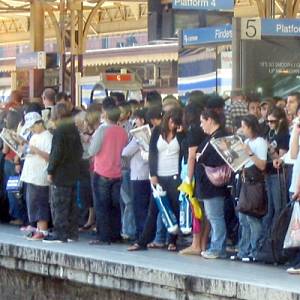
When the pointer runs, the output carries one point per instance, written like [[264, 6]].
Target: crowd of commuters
[[83, 170]]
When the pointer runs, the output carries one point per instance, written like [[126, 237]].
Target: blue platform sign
[[280, 27], [207, 35], [203, 4]]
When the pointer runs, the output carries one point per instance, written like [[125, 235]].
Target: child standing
[[34, 173]]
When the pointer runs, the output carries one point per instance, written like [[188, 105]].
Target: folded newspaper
[[143, 135], [231, 149], [12, 140]]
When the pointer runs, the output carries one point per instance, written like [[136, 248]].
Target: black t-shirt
[[276, 141], [210, 157], [194, 137]]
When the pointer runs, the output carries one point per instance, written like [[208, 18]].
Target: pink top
[[107, 162]]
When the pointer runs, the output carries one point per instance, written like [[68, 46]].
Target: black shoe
[[53, 239]]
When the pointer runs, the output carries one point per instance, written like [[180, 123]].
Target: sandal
[[154, 245], [136, 247], [172, 247], [86, 227]]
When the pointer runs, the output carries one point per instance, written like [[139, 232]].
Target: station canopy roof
[[113, 17]]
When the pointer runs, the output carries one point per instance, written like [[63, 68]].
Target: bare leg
[[42, 225]]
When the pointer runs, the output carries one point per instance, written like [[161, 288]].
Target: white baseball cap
[[30, 119]]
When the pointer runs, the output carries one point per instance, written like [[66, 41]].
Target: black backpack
[[271, 250]]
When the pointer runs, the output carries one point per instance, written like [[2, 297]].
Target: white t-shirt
[[168, 157], [287, 156], [259, 147], [295, 174], [35, 167]]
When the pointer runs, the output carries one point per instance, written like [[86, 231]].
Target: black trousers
[[107, 208], [169, 184]]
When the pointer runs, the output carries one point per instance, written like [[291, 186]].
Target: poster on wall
[[274, 70]]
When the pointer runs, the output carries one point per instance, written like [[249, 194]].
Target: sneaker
[[234, 257], [295, 269], [209, 255], [72, 240], [248, 259], [53, 239], [35, 236]]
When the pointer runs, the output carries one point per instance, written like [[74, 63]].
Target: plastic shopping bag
[[188, 189], [164, 207], [185, 216], [14, 184], [292, 237]]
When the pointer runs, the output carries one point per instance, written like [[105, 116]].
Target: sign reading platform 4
[[203, 4]]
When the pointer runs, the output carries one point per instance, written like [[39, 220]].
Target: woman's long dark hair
[[191, 115], [252, 122], [175, 115], [280, 115], [213, 114]]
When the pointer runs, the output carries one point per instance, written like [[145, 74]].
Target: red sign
[[119, 77]]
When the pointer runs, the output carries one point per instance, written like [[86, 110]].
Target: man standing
[[235, 110], [48, 98], [106, 147], [63, 174]]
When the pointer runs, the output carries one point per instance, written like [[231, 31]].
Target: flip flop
[[190, 251], [136, 247], [155, 246]]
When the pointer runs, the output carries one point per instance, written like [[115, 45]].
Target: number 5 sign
[[251, 29]]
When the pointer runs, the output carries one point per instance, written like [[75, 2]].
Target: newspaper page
[[143, 135], [12, 140], [231, 149]]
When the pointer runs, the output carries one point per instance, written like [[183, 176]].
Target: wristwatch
[[251, 154]]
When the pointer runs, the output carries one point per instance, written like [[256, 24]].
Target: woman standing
[[194, 137], [212, 196], [251, 227], [164, 163], [278, 144]]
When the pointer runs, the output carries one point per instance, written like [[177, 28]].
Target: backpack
[[271, 249]]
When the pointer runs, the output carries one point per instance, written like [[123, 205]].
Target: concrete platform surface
[[155, 273]]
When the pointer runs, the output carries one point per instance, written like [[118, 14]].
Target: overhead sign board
[[203, 4], [37, 60], [280, 27], [207, 35], [32, 60], [252, 28]]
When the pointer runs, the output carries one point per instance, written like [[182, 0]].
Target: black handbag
[[253, 199]]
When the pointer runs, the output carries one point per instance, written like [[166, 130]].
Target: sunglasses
[[272, 121]]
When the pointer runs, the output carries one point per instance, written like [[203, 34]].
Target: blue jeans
[[128, 222], [214, 209], [275, 202], [251, 229], [107, 208], [17, 206], [161, 235]]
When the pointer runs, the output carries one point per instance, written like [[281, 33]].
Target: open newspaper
[[143, 135], [231, 149], [12, 140]]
